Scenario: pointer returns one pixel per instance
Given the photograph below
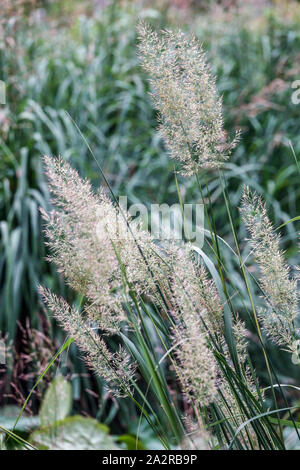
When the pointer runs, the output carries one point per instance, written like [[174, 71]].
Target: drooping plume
[[115, 367], [90, 243], [85, 234]]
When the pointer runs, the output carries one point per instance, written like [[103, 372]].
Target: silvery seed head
[[185, 94]]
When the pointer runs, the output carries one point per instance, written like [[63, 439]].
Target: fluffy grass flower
[[280, 289], [99, 258], [115, 367], [184, 92], [89, 241], [197, 313]]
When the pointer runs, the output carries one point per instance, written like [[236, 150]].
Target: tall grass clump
[[160, 322]]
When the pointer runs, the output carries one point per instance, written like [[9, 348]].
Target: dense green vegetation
[[85, 68]]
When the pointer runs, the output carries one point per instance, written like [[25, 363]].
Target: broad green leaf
[[57, 402], [74, 433], [8, 415]]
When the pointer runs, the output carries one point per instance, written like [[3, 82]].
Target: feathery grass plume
[[280, 290], [88, 237], [196, 307], [240, 334], [184, 92], [99, 258], [198, 313], [195, 366], [74, 244], [116, 368], [192, 289]]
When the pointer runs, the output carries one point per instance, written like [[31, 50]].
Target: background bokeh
[[79, 59]]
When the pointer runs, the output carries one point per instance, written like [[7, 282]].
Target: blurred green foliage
[[87, 66]]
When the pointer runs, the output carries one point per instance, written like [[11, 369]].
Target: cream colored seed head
[[280, 289], [184, 92]]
